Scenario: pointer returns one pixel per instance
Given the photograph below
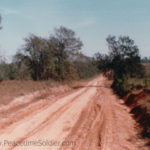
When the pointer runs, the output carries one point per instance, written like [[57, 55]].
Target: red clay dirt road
[[89, 118]]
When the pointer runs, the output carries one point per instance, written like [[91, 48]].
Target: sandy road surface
[[89, 118]]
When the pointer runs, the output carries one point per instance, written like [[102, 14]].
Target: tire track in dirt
[[118, 130], [31, 110], [54, 116], [92, 117], [87, 122], [86, 131], [105, 125], [49, 120]]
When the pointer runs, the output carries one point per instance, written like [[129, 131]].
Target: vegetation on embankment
[[123, 62], [138, 99], [139, 103]]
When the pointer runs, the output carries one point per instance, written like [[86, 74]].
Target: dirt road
[[88, 118]]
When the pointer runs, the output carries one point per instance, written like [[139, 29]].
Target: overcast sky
[[92, 20]]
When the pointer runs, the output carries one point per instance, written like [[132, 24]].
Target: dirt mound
[[140, 108], [143, 118], [132, 100]]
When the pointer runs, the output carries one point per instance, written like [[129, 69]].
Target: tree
[[38, 56], [1, 68], [84, 66], [102, 62], [2, 61], [124, 56], [21, 62], [65, 45], [49, 58], [124, 61], [145, 60]]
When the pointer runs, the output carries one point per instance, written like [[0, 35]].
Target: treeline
[[145, 60], [58, 57]]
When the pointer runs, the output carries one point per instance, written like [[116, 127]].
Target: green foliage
[[123, 60], [57, 57], [65, 46], [85, 67], [145, 60], [125, 57], [146, 82], [8, 71], [12, 72], [144, 106], [1, 79], [102, 62]]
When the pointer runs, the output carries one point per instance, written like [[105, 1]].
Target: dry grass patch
[[11, 89]]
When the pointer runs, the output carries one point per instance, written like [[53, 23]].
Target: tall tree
[[102, 62], [125, 59], [124, 56], [65, 45], [37, 54], [49, 58]]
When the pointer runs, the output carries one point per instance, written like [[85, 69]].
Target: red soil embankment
[[132, 100], [140, 106]]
